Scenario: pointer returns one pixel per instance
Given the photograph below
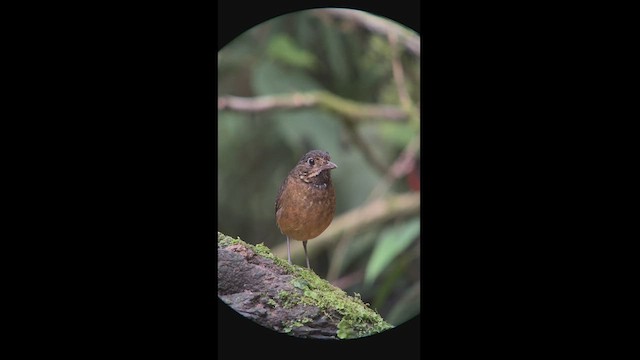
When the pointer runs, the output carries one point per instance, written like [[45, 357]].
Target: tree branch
[[402, 166], [398, 74], [352, 110], [287, 298], [380, 25]]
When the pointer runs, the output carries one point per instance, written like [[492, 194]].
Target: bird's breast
[[306, 210]]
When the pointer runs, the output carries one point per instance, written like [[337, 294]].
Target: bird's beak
[[329, 165]]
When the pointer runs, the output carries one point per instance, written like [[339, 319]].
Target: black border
[[123, 162]]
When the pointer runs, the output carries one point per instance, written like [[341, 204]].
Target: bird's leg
[[288, 250], [304, 244]]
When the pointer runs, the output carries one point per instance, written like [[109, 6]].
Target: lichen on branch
[[289, 298]]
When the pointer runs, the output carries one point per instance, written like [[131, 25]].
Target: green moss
[[272, 302], [288, 299], [224, 240], [283, 294], [357, 318], [290, 324], [345, 329], [260, 249]]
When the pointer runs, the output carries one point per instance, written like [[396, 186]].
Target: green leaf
[[270, 78], [406, 307], [392, 242], [398, 134], [345, 330], [336, 54], [300, 284], [283, 48], [312, 125], [312, 294]]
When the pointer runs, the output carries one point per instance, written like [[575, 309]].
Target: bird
[[306, 200]]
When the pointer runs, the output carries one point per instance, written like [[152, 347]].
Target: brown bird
[[306, 200]]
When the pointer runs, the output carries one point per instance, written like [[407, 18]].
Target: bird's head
[[314, 168]]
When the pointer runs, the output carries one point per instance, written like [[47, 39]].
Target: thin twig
[[352, 110], [264, 103], [367, 150], [380, 25], [402, 166], [398, 73]]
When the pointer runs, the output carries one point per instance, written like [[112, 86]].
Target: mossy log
[[289, 298]]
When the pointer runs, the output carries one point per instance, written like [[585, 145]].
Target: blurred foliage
[[307, 51], [392, 241], [282, 47]]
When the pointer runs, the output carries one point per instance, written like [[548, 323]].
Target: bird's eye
[[310, 161]]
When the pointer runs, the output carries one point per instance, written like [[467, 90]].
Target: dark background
[[124, 258]]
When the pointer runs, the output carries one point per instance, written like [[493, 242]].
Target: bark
[[286, 298]]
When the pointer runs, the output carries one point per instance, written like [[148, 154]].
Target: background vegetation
[[346, 82]]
